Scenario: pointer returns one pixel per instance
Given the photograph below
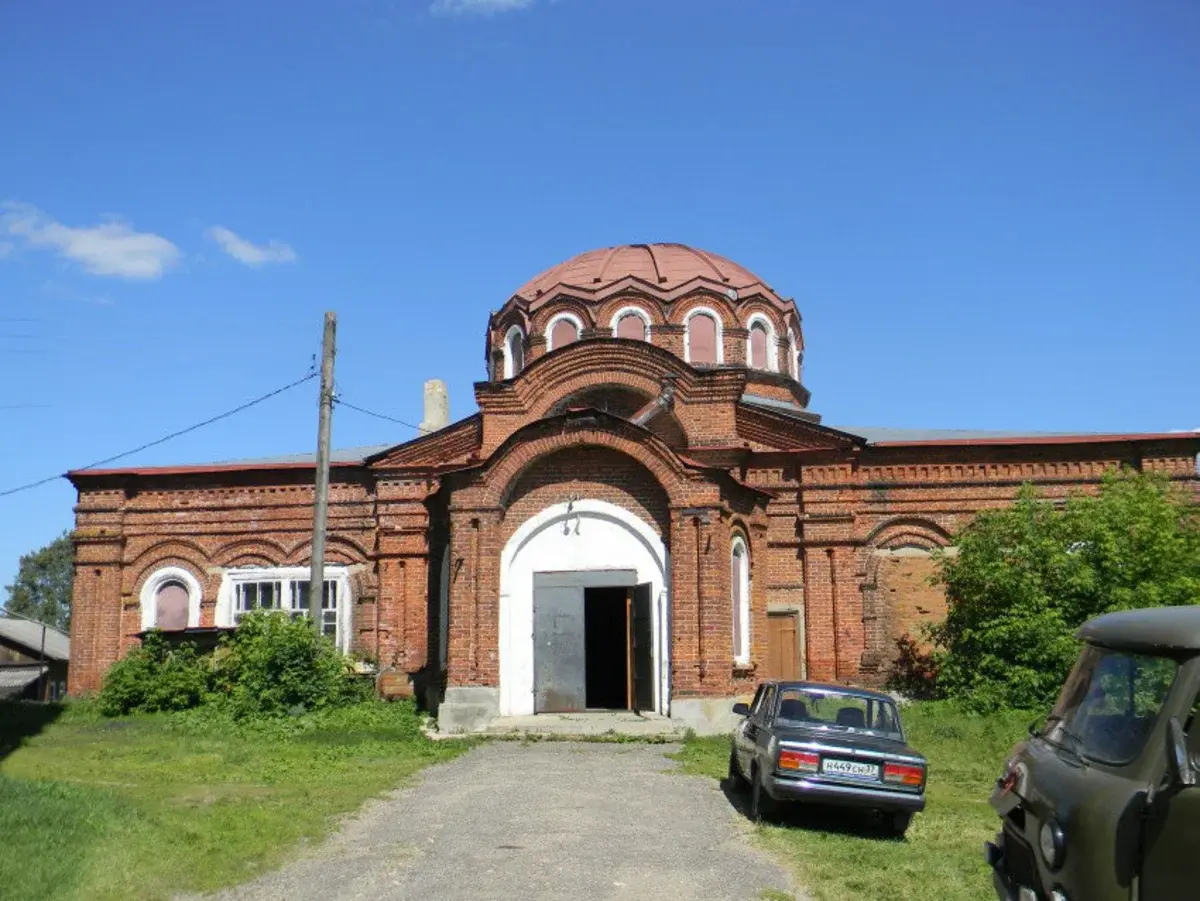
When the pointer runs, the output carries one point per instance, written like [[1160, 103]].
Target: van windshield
[[1109, 703]]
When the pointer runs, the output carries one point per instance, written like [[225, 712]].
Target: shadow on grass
[[849, 821], [20, 720]]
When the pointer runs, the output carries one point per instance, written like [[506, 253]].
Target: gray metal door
[[559, 658]]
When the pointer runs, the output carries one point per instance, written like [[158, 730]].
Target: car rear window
[[838, 711]]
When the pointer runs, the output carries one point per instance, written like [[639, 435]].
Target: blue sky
[[988, 213]]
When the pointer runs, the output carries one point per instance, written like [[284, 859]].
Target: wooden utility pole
[[316, 579]]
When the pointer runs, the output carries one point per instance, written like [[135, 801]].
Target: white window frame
[[741, 656], [336, 573], [687, 334], [630, 311], [557, 318], [772, 341], [148, 597], [793, 363], [510, 369]]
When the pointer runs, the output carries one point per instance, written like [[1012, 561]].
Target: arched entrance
[[566, 548]]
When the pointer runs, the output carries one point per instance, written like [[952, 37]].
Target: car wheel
[[763, 808], [736, 779], [897, 823]]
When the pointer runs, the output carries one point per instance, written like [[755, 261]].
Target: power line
[[165, 438], [342, 403]]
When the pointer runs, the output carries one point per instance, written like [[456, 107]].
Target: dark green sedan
[[826, 744]]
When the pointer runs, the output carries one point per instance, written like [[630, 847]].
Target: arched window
[[793, 360], [514, 352], [739, 581], [631, 323], [702, 339], [171, 606], [761, 352], [562, 330], [170, 600]]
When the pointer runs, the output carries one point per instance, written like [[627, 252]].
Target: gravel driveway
[[545, 820]]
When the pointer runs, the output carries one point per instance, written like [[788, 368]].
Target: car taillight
[[800, 761], [903, 773]]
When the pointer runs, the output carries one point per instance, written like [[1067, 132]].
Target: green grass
[[838, 856], [144, 807]]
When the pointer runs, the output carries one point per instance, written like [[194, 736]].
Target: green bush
[[1026, 577], [273, 664], [155, 677]]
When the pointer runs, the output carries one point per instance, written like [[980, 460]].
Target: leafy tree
[[1024, 578], [42, 588]]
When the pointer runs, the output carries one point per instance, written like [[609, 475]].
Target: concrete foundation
[[706, 716], [468, 709]]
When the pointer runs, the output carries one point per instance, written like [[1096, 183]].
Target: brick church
[[643, 514]]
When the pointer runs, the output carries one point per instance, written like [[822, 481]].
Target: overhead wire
[[339, 402], [166, 438]]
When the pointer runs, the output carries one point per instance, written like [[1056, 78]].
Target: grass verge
[[143, 807], [839, 856]]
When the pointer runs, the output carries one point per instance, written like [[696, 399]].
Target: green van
[[1101, 802]]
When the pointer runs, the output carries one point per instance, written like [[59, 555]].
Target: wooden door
[[783, 646]]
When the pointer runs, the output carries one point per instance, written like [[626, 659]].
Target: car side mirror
[[741, 708], [1179, 762]]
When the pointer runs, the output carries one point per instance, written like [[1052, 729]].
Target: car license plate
[[851, 768]]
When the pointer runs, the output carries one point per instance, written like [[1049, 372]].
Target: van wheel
[[763, 808], [736, 780], [897, 823]]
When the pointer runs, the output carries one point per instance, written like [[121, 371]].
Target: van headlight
[[1052, 843]]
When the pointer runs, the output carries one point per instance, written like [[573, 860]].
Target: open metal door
[[559, 656], [641, 644]]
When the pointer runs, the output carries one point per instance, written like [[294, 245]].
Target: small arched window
[[170, 600], [793, 359], [631, 323], [171, 606], [739, 581], [702, 340], [514, 352], [563, 329], [761, 352]]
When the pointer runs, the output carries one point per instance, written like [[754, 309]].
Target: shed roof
[[29, 635]]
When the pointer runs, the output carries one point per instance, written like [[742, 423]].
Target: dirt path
[[549, 820]]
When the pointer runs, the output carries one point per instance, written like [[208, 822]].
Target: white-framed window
[[703, 337], [739, 581], [793, 358], [286, 589], [170, 599], [632, 323], [762, 351], [563, 329], [514, 352]]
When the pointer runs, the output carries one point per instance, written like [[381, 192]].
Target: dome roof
[[661, 268]]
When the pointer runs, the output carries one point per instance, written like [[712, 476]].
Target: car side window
[[768, 703], [758, 697]]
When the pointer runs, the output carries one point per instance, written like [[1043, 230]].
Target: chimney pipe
[[437, 407]]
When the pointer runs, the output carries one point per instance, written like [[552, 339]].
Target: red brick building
[[643, 513]]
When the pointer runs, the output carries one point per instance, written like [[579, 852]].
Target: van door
[[1171, 865]]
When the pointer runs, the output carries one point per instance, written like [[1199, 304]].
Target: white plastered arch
[[772, 340], [557, 318], [583, 535], [687, 335], [156, 580], [510, 367], [630, 311]]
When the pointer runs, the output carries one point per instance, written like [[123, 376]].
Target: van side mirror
[[1179, 762], [741, 708]]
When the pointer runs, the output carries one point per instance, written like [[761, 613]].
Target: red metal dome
[[661, 268]]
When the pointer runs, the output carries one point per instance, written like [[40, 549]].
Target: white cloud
[[249, 253], [110, 248], [476, 7]]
